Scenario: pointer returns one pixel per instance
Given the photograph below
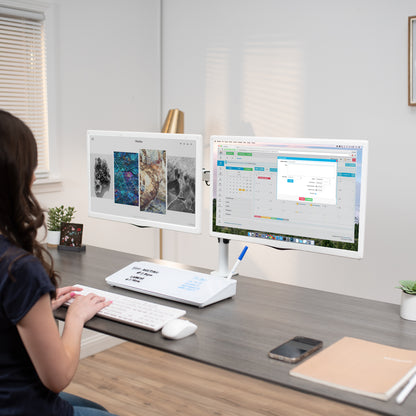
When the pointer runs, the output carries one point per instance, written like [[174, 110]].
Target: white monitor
[[146, 179], [305, 194]]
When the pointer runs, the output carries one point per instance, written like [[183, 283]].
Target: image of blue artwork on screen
[[126, 178]]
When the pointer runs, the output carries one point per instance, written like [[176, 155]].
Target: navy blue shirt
[[21, 390]]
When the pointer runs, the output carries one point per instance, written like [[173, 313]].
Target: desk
[[236, 334]]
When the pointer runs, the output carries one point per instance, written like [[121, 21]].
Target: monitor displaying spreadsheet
[[306, 194]]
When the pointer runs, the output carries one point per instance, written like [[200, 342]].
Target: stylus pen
[[240, 257], [407, 390]]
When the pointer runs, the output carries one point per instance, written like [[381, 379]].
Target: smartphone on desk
[[295, 349]]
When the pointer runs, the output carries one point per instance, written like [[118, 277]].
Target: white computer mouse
[[178, 328]]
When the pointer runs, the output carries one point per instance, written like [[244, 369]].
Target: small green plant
[[58, 215], [408, 286]]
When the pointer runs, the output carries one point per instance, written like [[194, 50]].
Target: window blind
[[23, 75]]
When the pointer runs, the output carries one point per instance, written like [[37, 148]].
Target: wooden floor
[[132, 380]]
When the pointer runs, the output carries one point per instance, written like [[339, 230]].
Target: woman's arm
[[55, 358]]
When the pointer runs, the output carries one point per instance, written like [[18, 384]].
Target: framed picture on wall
[[412, 60]]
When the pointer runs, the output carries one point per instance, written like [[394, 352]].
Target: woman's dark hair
[[20, 213]]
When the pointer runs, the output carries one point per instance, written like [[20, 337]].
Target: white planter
[[53, 238], [408, 307]]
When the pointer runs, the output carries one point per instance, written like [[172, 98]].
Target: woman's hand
[[63, 294], [85, 307]]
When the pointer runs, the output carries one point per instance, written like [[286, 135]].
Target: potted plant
[[56, 216], [408, 302]]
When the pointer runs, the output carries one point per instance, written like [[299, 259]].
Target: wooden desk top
[[236, 334]]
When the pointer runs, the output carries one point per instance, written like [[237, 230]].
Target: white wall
[[264, 67], [105, 57], [308, 69]]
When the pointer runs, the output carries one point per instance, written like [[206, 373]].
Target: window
[[23, 89]]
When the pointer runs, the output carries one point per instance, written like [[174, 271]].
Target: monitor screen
[[146, 179], [306, 194]]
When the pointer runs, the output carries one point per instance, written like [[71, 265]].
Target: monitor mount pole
[[222, 270]]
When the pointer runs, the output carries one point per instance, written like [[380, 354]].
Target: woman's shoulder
[[9, 252], [23, 280], [16, 261]]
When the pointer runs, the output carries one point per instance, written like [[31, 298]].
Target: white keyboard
[[131, 311]]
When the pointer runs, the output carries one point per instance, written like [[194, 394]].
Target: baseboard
[[94, 342]]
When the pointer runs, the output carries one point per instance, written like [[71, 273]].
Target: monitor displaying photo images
[[146, 179]]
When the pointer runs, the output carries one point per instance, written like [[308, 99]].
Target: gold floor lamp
[[174, 123]]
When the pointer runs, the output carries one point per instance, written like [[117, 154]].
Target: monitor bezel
[[289, 245], [142, 222]]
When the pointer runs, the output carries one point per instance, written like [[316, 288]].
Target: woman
[[36, 362]]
